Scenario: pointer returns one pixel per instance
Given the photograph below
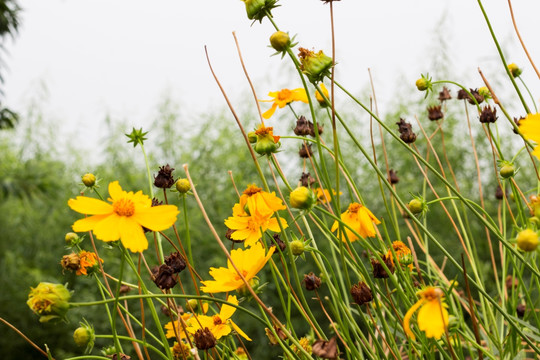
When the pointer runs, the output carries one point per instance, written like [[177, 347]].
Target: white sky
[[121, 57]]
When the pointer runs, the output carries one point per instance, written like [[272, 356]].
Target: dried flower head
[[444, 94], [361, 293], [435, 113], [204, 339], [176, 262], [163, 277], [378, 269], [488, 115], [405, 129], [325, 349], [164, 178], [311, 281], [305, 151], [392, 177], [476, 95], [306, 180]]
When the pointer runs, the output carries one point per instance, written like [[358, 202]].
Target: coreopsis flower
[[403, 254], [432, 317], [282, 98], [514, 70], [323, 195], [266, 142], [314, 65], [527, 240], [49, 301], [251, 227], [221, 324], [530, 128], [302, 198], [249, 262], [320, 98], [259, 201], [124, 218], [181, 351], [176, 329], [88, 261], [360, 219]]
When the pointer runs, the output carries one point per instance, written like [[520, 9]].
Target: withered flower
[[488, 115], [204, 339], [517, 121], [311, 281], [228, 235], [405, 129], [520, 310], [164, 178], [325, 349], [122, 357], [378, 270], [124, 289], [361, 293], [435, 113], [462, 94], [281, 246], [511, 282], [176, 262], [444, 94], [305, 151], [479, 98], [163, 277], [71, 262], [306, 179], [392, 177], [302, 126], [499, 195]]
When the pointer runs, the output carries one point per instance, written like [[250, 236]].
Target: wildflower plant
[[331, 259]]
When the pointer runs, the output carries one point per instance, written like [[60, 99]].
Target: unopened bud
[[280, 41], [89, 180], [527, 240], [297, 247], [183, 186]]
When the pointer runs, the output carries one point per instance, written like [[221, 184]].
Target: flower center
[[217, 320], [124, 207], [354, 207], [252, 190], [244, 273], [284, 95]]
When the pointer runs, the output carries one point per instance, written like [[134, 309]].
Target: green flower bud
[[527, 240], [297, 247], [192, 305], [302, 198], [183, 186], [484, 92], [89, 180], [417, 206], [315, 65], [280, 41], [266, 143], [252, 137], [514, 70], [72, 238], [507, 171], [84, 336], [49, 301], [257, 9]]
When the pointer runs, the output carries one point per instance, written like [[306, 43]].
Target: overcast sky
[[121, 57]]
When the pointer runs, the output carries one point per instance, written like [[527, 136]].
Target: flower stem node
[[280, 41], [315, 65], [527, 240], [302, 198], [89, 180], [258, 9], [297, 247], [514, 70], [183, 186], [507, 170]]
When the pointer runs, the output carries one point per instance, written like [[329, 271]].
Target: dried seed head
[[176, 262], [361, 293], [488, 115], [435, 113], [204, 339], [378, 270], [511, 282], [520, 310], [305, 151], [462, 95], [163, 277], [499, 195], [311, 281], [164, 178], [306, 180], [71, 262], [325, 349], [281, 246], [517, 121], [392, 177], [405, 129], [444, 94], [479, 98]]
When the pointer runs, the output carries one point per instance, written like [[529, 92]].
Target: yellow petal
[[156, 218], [221, 330], [115, 191], [433, 319], [300, 95], [88, 223], [407, 319], [132, 235], [239, 331], [107, 229], [227, 310], [268, 113], [91, 206]]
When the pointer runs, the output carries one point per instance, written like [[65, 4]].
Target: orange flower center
[[244, 274], [354, 207], [252, 190], [431, 294], [284, 95], [263, 130], [124, 207], [217, 320]]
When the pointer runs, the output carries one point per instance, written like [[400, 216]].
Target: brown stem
[[24, 337]]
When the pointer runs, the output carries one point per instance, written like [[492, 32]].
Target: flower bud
[[280, 41], [84, 336], [244, 291], [417, 206], [315, 66], [302, 198], [320, 98], [507, 170], [484, 92], [89, 180], [514, 70], [252, 137], [267, 143], [71, 238], [257, 9], [183, 186], [49, 301], [527, 240], [297, 247], [424, 83]]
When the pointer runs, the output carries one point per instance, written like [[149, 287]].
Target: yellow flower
[[432, 317], [530, 128], [320, 98], [49, 301], [181, 351], [403, 254], [284, 97], [360, 219], [124, 218], [87, 260], [323, 195], [251, 228], [177, 328], [221, 324], [260, 202], [266, 142], [249, 262]]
